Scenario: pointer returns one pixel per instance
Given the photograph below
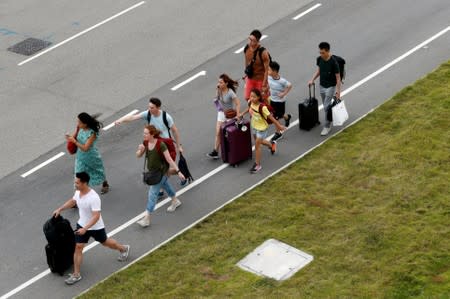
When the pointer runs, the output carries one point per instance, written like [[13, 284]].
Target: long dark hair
[[231, 84], [90, 121]]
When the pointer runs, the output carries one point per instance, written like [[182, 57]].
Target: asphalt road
[[107, 68], [368, 35]]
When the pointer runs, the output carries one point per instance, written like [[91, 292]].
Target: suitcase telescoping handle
[[313, 88]]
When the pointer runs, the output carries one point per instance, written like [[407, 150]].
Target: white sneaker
[[73, 279], [174, 206], [123, 256], [325, 131], [144, 222]]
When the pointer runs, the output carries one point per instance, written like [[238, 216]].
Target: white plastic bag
[[340, 114]]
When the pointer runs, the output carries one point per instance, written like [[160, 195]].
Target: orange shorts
[[249, 85]]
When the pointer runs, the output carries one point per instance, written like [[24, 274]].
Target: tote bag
[[340, 114]]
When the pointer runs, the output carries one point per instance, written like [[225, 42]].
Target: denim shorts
[[99, 235], [260, 134]]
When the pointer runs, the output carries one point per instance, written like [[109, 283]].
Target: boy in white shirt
[[279, 88]]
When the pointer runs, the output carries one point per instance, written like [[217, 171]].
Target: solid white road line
[[240, 50], [81, 33], [307, 11], [26, 284], [43, 164], [396, 60], [220, 168], [202, 73], [113, 124]]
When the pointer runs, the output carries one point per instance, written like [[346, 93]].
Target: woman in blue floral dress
[[88, 158]]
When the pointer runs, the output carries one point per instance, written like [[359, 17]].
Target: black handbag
[[249, 70], [151, 177]]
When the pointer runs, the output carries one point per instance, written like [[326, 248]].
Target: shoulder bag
[[151, 177]]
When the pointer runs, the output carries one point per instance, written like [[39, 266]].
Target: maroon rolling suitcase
[[236, 141]]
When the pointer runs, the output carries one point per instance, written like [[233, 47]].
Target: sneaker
[[325, 131], [287, 121], [183, 182], [273, 148], [73, 279], [144, 222], [161, 194], [123, 256], [255, 168], [214, 154], [276, 136], [174, 206]]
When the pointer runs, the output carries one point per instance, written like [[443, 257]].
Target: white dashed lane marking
[[240, 50], [306, 11], [57, 156], [199, 74], [81, 33], [113, 124]]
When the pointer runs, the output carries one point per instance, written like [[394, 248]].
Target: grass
[[372, 206]]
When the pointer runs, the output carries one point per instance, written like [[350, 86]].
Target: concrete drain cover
[[29, 46], [276, 260]]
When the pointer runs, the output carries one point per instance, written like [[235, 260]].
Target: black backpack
[[166, 123], [341, 62], [183, 167]]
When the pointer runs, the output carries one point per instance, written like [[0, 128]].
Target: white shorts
[[221, 116]]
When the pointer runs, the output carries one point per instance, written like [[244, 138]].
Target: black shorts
[[279, 109], [99, 235]]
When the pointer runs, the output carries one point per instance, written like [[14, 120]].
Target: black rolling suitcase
[[308, 111], [235, 141], [61, 244]]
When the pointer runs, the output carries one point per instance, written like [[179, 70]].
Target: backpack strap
[[166, 123], [341, 64], [260, 107], [254, 53], [260, 51], [336, 61], [146, 152], [260, 110], [158, 148]]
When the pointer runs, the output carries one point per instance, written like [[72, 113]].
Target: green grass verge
[[372, 205]]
